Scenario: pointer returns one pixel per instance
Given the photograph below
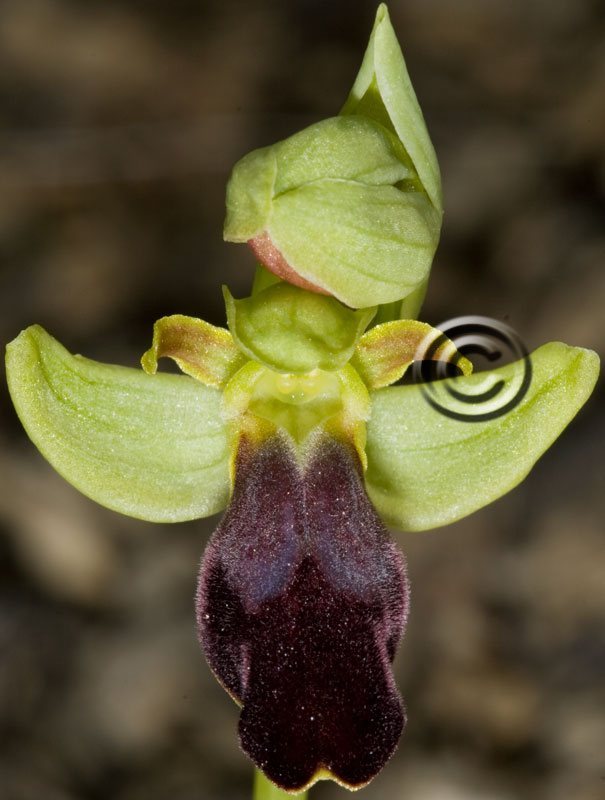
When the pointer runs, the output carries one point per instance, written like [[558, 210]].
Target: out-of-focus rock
[[55, 538]]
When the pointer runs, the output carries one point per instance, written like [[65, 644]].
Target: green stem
[[265, 790]]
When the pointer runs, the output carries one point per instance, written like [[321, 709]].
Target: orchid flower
[[291, 420]]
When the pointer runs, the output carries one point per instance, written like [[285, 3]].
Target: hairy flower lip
[[271, 258], [301, 586]]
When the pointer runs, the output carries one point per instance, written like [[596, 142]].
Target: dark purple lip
[[302, 601]]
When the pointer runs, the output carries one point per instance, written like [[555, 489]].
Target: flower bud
[[350, 206]]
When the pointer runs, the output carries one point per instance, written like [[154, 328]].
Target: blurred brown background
[[120, 122]]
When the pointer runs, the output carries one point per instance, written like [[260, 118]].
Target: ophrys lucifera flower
[[291, 420], [302, 597]]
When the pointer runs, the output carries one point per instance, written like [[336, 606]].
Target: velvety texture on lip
[[301, 603]]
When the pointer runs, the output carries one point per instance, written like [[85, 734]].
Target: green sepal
[[426, 469], [249, 195], [342, 148], [291, 330], [351, 148], [384, 353], [153, 447], [383, 91], [364, 244], [201, 350]]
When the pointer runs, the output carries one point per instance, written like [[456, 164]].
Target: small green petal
[[364, 244], [152, 447], [291, 330], [384, 353], [201, 350], [427, 469], [383, 91]]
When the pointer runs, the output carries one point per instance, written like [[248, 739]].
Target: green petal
[[383, 91], [201, 350], [364, 244], [150, 447], [384, 353], [291, 330], [427, 469]]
